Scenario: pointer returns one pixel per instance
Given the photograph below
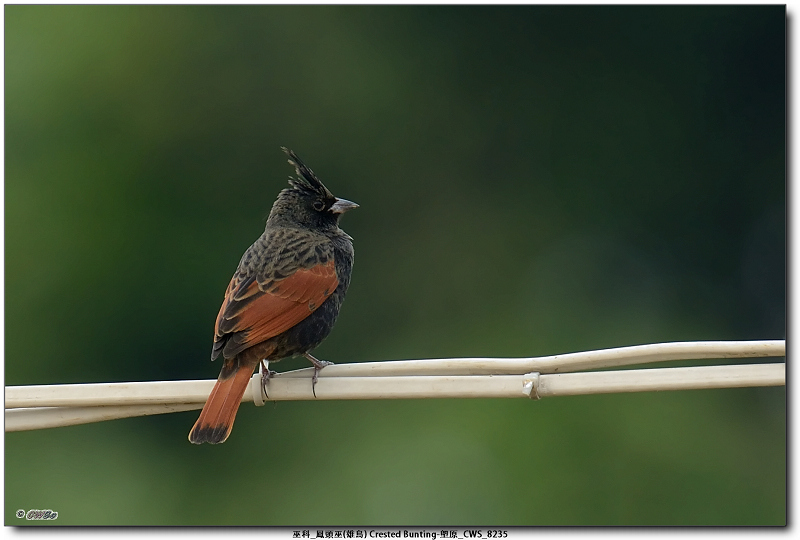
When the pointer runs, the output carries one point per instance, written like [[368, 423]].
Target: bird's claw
[[266, 375], [318, 365]]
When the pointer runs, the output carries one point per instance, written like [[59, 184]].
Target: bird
[[284, 297]]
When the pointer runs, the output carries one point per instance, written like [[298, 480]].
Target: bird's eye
[[319, 206]]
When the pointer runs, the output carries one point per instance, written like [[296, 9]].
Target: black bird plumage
[[284, 297]]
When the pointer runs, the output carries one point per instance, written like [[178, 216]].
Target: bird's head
[[307, 202]]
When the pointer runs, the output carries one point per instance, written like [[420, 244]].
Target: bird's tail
[[219, 412]]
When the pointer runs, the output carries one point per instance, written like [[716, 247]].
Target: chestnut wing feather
[[250, 315]]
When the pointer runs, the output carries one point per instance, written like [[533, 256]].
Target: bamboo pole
[[558, 363], [36, 407]]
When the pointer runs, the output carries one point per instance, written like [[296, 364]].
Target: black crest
[[306, 179]]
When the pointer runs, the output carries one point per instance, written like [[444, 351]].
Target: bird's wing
[[253, 312]]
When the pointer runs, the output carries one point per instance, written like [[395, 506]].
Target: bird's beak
[[342, 205]]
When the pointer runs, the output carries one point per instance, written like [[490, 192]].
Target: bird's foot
[[266, 374], [318, 365]]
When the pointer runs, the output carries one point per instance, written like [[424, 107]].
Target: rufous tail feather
[[216, 418]]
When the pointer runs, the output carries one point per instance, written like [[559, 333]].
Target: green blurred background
[[532, 180]]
